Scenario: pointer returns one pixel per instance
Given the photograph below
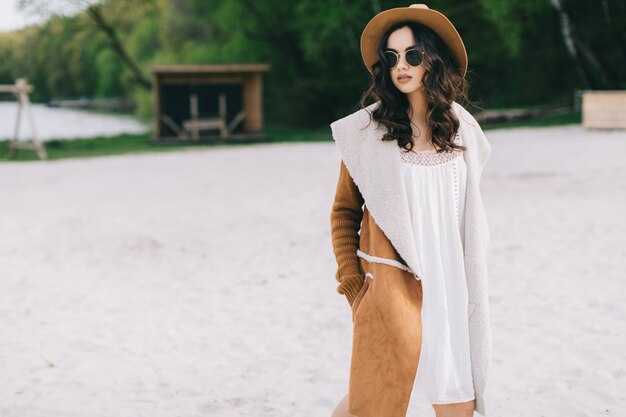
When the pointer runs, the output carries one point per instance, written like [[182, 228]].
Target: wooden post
[[222, 110], [195, 131], [252, 103], [156, 106]]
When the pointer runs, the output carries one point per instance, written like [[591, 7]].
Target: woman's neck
[[418, 107]]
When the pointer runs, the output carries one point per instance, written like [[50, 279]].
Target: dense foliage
[[519, 52]]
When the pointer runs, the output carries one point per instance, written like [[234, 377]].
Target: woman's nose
[[402, 62]]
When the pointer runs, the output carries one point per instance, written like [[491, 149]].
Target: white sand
[[201, 283], [56, 123]]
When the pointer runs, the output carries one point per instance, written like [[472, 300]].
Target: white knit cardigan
[[375, 167]]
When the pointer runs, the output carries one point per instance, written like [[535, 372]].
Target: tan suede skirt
[[387, 337]]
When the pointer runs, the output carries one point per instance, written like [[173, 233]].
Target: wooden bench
[[191, 128], [604, 109]]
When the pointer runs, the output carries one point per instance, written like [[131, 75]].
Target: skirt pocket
[[360, 295]]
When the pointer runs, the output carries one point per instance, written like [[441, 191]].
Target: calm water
[[54, 123]]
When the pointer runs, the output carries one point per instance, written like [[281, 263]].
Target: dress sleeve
[[345, 223]]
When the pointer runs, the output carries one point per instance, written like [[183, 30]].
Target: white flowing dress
[[435, 185]]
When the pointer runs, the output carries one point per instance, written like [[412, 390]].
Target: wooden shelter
[[202, 103], [604, 109]]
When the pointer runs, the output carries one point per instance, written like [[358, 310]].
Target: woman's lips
[[404, 78]]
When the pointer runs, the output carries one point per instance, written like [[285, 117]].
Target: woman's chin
[[407, 88]]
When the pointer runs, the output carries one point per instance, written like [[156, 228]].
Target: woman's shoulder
[[357, 117], [355, 127], [472, 135], [465, 117]]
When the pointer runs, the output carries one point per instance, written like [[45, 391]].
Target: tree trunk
[[580, 51], [619, 38], [596, 63], [570, 43], [96, 14]]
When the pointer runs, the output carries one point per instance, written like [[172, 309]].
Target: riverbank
[[60, 124], [141, 142]]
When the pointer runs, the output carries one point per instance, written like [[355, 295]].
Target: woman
[[409, 231]]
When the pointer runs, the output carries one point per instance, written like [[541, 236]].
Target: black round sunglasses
[[413, 57]]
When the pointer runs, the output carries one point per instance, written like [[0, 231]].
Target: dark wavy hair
[[443, 83]]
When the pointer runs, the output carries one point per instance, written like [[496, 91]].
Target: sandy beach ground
[[201, 283]]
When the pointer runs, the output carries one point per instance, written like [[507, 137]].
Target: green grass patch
[[94, 147], [81, 148], [556, 120], [140, 143], [276, 135]]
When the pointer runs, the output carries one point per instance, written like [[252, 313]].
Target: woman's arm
[[345, 223]]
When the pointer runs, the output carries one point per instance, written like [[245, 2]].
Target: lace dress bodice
[[432, 158]]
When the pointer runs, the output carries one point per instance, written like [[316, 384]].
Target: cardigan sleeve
[[482, 144], [345, 223], [484, 147]]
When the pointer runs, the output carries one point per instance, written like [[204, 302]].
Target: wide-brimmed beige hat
[[420, 13]]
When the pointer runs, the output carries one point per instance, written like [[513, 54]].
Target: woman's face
[[400, 40]]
